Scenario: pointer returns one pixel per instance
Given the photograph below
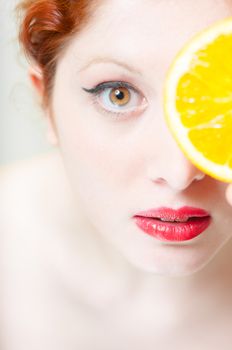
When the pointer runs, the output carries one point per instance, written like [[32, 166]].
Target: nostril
[[160, 180]]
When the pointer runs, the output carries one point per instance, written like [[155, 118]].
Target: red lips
[[173, 224], [169, 214]]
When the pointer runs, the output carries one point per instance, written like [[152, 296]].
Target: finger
[[229, 193]]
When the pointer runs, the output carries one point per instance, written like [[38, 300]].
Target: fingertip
[[229, 194]]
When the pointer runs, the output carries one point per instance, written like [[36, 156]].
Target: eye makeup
[[119, 112], [110, 84]]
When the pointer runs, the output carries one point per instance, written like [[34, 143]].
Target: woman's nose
[[170, 166], [179, 175]]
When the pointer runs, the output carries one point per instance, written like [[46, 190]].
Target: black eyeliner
[[113, 84]]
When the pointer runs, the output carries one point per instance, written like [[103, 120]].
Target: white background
[[22, 127]]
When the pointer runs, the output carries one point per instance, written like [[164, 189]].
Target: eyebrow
[[110, 60]]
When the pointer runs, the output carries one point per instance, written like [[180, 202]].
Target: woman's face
[[120, 164]]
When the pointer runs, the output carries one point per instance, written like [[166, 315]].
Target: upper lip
[[169, 214]]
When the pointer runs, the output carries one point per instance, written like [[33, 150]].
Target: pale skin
[[78, 274]]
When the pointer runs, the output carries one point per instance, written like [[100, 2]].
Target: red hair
[[46, 27]]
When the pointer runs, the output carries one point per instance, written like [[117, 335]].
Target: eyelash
[[109, 85]]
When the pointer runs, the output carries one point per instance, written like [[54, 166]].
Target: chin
[[168, 266]]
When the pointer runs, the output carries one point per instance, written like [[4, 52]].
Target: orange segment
[[198, 100]]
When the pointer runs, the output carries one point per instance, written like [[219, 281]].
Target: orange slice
[[198, 100]]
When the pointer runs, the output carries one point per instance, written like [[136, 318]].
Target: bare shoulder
[[32, 169], [34, 257], [27, 185]]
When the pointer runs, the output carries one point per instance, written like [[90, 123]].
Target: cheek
[[100, 156]]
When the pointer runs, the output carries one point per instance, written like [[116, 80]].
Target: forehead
[[145, 31]]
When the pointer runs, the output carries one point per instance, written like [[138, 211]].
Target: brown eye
[[120, 96], [117, 99]]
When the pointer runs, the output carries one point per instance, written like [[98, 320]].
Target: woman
[[79, 270]]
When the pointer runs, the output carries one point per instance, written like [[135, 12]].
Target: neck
[[177, 299]]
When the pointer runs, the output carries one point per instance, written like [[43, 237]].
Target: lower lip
[[166, 231]]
